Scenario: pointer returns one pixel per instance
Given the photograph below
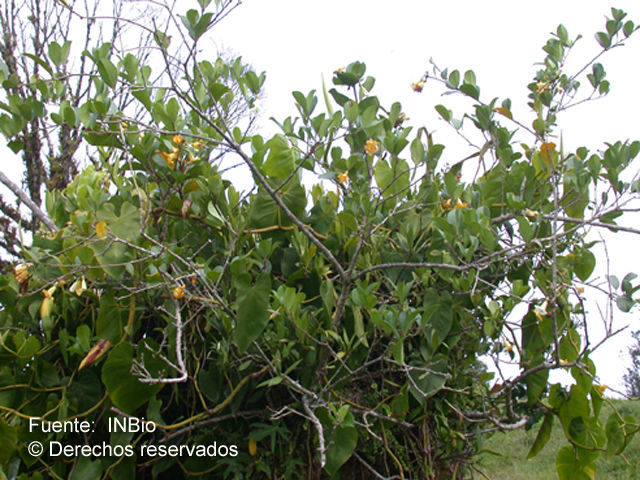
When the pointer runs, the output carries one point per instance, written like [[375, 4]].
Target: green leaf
[[85, 468], [570, 346], [281, 158], [8, 441], [569, 468], [162, 39], [40, 62], [628, 28], [59, 54], [562, 33], [426, 384], [344, 443], [615, 435], [126, 225], [470, 90], [585, 262], [253, 314], [444, 112], [417, 151], [614, 282], [391, 180], [469, 77], [543, 435], [108, 71], [109, 323], [125, 391], [625, 304], [539, 125], [627, 286], [526, 231], [536, 385], [603, 39], [454, 79]]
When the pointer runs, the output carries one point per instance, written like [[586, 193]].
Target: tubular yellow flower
[[508, 347], [199, 144], [417, 86], [46, 307], [49, 292], [343, 178], [170, 159], [79, 286], [178, 292], [21, 272], [371, 146], [178, 139], [460, 204], [446, 203]]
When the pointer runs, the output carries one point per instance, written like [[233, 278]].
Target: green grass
[[514, 446]]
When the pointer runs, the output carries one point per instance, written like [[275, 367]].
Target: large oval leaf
[[253, 316]]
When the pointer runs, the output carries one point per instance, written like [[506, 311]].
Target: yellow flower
[[253, 447], [602, 388], [46, 306], [102, 229], [343, 178], [340, 70], [49, 292], [508, 347], [580, 289], [79, 286], [170, 159], [460, 204], [178, 292], [446, 203], [417, 86], [371, 146], [541, 87], [21, 273], [199, 144], [178, 139]]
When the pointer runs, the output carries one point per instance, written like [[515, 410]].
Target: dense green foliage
[[327, 327]]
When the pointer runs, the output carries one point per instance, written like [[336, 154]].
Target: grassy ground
[[512, 464]]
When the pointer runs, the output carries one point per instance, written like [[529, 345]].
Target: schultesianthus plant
[[334, 327]]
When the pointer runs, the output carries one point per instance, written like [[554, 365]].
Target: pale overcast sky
[[297, 41]]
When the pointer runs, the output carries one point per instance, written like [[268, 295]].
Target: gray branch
[[24, 198]]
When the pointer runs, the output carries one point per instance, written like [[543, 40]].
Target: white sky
[[297, 41]]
